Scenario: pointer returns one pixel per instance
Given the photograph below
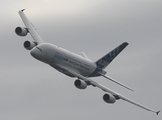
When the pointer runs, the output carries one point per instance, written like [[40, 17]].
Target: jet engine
[[109, 98], [80, 84], [21, 31], [29, 45]]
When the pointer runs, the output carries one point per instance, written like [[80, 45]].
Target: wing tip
[[21, 10], [158, 112]]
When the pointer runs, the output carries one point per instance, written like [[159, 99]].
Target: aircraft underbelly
[[61, 65]]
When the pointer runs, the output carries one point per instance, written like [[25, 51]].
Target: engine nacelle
[[80, 84], [109, 98], [29, 45], [21, 31]]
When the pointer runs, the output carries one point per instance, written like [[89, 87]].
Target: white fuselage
[[72, 64], [60, 58]]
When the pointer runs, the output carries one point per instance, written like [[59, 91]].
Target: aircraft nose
[[35, 52]]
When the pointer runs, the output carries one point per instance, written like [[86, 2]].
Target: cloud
[[32, 90]]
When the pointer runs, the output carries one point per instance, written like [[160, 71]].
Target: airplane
[[73, 65]]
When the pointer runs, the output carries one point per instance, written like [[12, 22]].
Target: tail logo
[[105, 60]]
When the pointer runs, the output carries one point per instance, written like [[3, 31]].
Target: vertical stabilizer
[[105, 60]]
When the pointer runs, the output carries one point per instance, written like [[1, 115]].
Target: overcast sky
[[31, 90]]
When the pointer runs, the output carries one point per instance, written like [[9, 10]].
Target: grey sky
[[31, 90]]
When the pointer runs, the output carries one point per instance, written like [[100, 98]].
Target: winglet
[[22, 10], [157, 112]]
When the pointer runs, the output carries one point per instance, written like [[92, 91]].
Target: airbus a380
[[73, 65]]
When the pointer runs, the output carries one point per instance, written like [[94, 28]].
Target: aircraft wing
[[37, 39], [117, 95]]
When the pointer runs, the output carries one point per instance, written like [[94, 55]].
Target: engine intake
[[21, 31], [29, 45], [109, 98], [80, 84]]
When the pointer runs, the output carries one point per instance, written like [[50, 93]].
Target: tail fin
[[105, 60]]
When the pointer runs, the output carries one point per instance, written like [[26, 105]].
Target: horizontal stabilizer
[[85, 56], [116, 82]]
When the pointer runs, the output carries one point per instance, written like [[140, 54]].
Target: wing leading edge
[[115, 94]]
